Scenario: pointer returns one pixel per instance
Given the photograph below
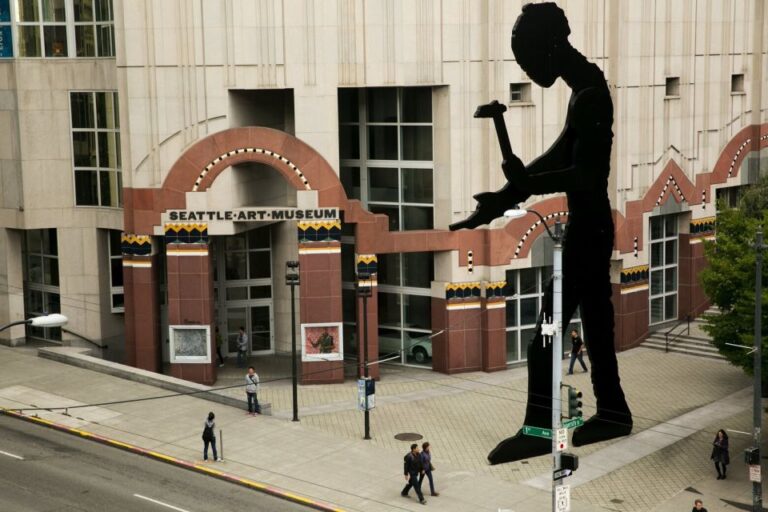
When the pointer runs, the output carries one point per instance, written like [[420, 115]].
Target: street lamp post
[[364, 291], [292, 280], [554, 331], [757, 492], [52, 320]]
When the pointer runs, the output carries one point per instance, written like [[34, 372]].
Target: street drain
[[408, 436], [617, 501]]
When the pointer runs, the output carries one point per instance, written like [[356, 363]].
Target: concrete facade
[[192, 79]]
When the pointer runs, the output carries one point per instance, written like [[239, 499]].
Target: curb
[[244, 482]]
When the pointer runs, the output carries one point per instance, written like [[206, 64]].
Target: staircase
[[696, 343]]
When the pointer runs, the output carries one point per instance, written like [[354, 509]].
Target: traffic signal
[[574, 402], [752, 456]]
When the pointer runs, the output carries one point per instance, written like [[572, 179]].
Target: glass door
[[236, 318], [261, 328]]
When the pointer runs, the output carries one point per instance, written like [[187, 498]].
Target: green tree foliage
[[729, 281]]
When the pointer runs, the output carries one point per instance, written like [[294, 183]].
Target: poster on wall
[[322, 342], [190, 343]]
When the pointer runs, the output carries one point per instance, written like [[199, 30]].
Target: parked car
[[416, 345]]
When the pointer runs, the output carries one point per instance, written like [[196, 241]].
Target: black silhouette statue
[[578, 163]]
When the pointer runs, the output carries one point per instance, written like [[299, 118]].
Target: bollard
[[221, 446]]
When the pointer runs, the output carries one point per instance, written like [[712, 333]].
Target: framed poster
[[190, 343], [322, 342]]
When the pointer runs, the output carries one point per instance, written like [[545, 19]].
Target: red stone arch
[[197, 168]]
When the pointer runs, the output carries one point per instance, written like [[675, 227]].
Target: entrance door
[[243, 283], [257, 320]]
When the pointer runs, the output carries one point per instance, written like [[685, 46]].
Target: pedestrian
[[251, 390], [698, 506], [720, 453], [426, 464], [219, 342], [577, 351], [412, 469], [242, 347], [209, 437]]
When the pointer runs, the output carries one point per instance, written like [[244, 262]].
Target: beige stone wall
[[37, 189]]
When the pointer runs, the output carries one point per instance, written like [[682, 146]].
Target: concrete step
[[690, 340], [702, 347], [679, 350]]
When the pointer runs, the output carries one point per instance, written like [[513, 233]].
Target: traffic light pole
[[557, 354], [757, 492]]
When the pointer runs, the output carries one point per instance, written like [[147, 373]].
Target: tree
[[729, 280]]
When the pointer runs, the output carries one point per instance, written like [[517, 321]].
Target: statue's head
[[539, 35]]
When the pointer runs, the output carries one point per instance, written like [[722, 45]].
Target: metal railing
[[687, 331], [80, 336]]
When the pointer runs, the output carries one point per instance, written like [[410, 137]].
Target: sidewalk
[[323, 456]]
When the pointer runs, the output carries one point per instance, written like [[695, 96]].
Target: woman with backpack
[[720, 453], [209, 437]]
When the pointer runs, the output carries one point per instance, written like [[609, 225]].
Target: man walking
[[577, 351], [242, 348], [412, 468], [251, 390]]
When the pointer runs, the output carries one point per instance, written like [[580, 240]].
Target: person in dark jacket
[[209, 437], [412, 468], [720, 453], [698, 506], [426, 464]]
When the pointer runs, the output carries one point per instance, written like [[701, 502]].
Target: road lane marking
[[12, 455], [161, 503]]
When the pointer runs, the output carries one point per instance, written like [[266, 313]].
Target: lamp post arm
[[544, 222], [18, 322]]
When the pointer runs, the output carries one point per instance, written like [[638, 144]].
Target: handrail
[[103, 347], [678, 324]]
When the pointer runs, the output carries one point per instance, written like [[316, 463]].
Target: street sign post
[[573, 422], [562, 439], [563, 498], [546, 433]]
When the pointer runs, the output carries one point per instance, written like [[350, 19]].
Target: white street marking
[[12, 455], [161, 503]]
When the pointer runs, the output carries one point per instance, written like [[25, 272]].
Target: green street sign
[[573, 422], [546, 433]]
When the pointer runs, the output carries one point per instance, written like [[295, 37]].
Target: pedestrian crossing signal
[[574, 402]]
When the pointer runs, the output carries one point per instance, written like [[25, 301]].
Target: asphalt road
[[43, 470]]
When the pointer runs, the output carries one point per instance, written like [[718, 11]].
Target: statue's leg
[[613, 418], [538, 412]]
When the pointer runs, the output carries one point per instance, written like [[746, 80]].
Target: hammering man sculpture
[[578, 163]]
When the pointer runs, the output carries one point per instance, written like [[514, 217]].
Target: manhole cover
[[408, 436]]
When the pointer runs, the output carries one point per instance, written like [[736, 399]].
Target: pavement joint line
[[259, 486]]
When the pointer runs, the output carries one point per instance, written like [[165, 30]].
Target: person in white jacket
[[251, 390]]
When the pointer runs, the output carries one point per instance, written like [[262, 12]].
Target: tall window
[[96, 149], [94, 28], [405, 306], [385, 142], [116, 272], [42, 28], [65, 28], [525, 295], [41, 279], [664, 245]]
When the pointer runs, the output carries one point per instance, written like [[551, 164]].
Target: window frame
[[115, 290], [69, 23], [49, 333], [98, 168]]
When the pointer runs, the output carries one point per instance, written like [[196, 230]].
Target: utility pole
[[557, 355]]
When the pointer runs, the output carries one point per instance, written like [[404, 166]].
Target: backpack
[[208, 433]]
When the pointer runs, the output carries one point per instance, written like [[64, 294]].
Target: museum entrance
[[243, 289]]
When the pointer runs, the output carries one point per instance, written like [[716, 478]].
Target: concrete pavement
[[463, 416]]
